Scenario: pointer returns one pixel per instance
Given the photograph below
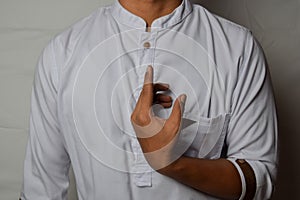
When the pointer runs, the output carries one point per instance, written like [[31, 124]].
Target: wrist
[[173, 168]]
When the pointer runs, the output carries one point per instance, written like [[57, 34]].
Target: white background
[[27, 26]]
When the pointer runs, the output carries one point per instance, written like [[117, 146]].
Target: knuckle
[[132, 117], [140, 119]]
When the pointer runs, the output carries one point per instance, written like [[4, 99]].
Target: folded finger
[[162, 98], [160, 87]]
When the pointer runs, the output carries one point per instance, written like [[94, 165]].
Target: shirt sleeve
[[252, 131], [46, 164]]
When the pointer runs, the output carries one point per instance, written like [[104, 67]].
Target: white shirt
[[88, 80]]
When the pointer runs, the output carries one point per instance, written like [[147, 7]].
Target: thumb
[[175, 118]]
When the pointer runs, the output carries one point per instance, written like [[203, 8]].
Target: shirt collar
[[125, 17]]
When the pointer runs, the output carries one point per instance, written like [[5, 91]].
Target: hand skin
[[217, 177]]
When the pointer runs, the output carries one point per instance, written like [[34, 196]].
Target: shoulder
[[229, 32], [235, 38], [216, 20], [64, 42]]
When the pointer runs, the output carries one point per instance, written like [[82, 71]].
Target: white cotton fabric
[[89, 78]]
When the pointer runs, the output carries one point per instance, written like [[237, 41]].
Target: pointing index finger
[[146, 97], [148, 79]]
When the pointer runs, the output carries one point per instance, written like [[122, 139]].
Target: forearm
[[218, 177]]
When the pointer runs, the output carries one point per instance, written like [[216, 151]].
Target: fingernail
[[183, 98]]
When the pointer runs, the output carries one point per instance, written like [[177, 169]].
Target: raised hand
[[157, 136]]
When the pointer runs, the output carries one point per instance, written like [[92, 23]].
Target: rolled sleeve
[[46, 163], [252, 131]]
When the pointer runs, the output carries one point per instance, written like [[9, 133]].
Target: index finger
[[146, 96]]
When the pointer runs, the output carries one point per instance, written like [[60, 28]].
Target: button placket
[[147, 45], [142, 170]]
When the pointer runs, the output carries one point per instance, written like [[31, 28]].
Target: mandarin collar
[[124, 16]]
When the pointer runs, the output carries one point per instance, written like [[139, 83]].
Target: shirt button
[[147, 45]]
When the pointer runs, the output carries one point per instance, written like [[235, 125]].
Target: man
[[199, 124]]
